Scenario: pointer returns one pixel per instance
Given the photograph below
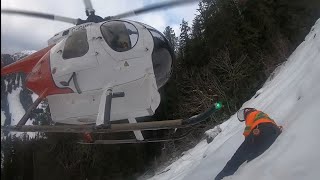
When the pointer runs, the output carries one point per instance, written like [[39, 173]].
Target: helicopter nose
[[40, 78]]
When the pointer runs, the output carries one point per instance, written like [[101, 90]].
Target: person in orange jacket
[[260, 133]]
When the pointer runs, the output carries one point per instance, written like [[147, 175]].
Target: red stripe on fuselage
[[40, 78]]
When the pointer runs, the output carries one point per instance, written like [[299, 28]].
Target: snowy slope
[[14, 95], [11, 105], [292, 99]]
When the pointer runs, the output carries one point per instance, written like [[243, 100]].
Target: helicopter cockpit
[[122, 36]]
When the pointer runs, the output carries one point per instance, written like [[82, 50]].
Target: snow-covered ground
[[15, 106], [13, 98], [19, 55], [17, 111], [292, 99], [3, 118]]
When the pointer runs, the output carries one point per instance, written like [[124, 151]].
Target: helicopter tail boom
[[26, 64]]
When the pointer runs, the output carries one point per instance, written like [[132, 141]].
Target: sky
[[24, 33]]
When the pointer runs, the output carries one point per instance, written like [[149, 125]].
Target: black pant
[[252, 147]]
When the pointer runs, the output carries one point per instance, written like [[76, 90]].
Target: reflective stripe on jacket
[[255, 118]]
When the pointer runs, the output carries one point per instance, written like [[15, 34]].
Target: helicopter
[[100, 71]]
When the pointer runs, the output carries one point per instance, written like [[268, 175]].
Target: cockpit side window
[[162, 56], [76, 45], [120, 36]]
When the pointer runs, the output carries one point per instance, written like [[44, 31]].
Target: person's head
[[243, 113]]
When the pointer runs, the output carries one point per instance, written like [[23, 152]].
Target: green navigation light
[[218, 105]]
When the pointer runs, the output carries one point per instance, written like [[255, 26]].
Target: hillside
[[291, 97], [15, 98]]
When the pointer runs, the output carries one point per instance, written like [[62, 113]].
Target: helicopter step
[[104, 116]]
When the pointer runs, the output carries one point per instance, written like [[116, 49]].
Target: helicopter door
[[77, 63]]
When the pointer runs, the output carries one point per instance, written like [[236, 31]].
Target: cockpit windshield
[[120, 35]]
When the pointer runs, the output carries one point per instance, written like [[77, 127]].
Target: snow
[[212, 133], [17, 111], [15, 107], [34, 97], [2, 157], [29, 52], [16, 80], [19, 55], [6, 85], [292, 98], [3, 118]]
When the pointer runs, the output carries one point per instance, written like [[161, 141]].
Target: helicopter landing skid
[[114, 128], [136, 141]]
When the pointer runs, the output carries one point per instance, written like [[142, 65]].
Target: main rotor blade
[[153, 7], [88, 5], [40, 15]]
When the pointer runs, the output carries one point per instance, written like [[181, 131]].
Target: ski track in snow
[[292, 99]]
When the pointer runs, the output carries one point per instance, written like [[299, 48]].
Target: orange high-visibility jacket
[[255, 118]]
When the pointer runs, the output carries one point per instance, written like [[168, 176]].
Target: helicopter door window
[[162, 56], [120, 36], [76, 45]]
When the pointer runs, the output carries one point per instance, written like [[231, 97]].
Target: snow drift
[[292, 99]]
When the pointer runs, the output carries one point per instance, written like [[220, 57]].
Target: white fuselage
[[128, 71]]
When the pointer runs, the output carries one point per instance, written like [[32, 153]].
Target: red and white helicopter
[[100, 71]]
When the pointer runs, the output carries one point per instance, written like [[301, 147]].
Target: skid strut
[[25, 117]]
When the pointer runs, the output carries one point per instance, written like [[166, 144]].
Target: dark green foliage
[[58, 156], [172, 38], [231, 49]]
